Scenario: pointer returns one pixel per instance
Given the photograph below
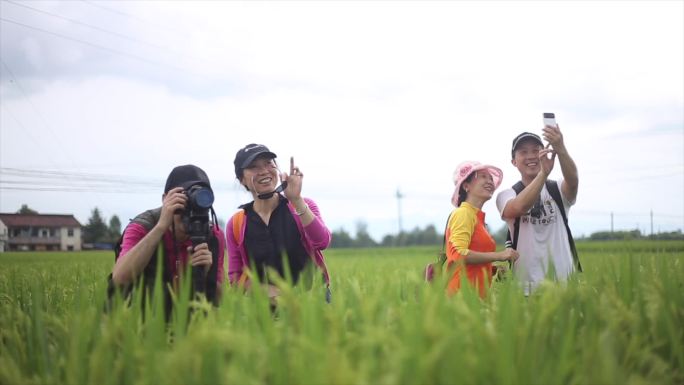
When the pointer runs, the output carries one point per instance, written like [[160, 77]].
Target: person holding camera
[[536, 209], [279, 230], [470, 249], [183, 230]]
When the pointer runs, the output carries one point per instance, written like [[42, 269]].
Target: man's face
[[526, 158]]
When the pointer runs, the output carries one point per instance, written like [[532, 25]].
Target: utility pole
[[651, 223], [399, 196], [611, 222]]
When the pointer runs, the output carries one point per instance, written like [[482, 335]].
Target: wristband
[[306, 207]]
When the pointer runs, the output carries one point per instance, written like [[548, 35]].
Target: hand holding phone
[[551, 133], [550, 119]]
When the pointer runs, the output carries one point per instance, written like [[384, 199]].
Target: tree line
[[98, 231], [635, 234], [418, 236], [429, 236]]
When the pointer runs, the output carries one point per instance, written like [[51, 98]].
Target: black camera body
[[196, 214], [195, 217]]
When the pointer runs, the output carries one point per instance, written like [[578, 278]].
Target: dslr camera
[[196, 214]]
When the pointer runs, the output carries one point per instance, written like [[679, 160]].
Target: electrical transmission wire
[[36, 110], [100, 29], [130, 16], [101, 47], [51, 180]]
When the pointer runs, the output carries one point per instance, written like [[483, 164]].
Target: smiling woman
[[470, 249], [279, 232]]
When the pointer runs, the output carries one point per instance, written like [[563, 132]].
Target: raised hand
[[174, 200], [554, 136], [293, 192], [546, 162]]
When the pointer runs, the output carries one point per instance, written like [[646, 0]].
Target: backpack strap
[[147, 219], [554, 191], [442, 255], [238, 222], [512, 242]]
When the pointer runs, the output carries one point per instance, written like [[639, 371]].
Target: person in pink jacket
[[279, 231]]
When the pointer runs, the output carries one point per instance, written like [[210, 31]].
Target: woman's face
[[482, 185], [261, 176]]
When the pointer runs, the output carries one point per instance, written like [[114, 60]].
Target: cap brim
[[251, 157], [190, 183], [526, 137]]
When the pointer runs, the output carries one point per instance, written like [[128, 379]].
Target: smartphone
[[549, 119]]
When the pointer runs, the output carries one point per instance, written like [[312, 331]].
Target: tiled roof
[[39, 220]]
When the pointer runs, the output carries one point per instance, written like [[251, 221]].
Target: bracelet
[[306, 207]]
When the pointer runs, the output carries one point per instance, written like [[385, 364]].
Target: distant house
[[39, 232]]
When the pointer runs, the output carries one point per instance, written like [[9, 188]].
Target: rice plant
[[618, 322]]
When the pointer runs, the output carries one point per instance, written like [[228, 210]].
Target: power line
[[128, 15], [110, 50], [50, 180], [35, 109], [72, 189], [625, 214], [51, 174], [117, 34], [26, 131]]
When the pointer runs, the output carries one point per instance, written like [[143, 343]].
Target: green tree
[[363, 239], [429, 236], [96, 230], [25, 210], [341, 238], [114, 228]]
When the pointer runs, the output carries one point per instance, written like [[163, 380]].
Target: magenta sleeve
[[316, 231], [133, 233]]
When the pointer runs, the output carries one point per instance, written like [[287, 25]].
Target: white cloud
[[368, 98]]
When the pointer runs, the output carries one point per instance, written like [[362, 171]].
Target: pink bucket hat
[[468, 167]]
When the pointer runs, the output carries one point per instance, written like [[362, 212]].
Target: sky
[[101, 99]]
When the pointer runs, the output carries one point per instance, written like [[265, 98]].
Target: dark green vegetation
[[619, 322]]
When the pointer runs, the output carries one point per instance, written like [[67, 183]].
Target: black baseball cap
[[247, 154], [522, 137], [186, 176]]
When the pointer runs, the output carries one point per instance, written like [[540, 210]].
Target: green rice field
[[619, 322]]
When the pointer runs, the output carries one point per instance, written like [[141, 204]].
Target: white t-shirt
[[542, 240]]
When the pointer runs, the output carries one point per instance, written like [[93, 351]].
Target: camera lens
[[537, 209], [201, 197]]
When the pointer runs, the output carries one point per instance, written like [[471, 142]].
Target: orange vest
[[466, 231]]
